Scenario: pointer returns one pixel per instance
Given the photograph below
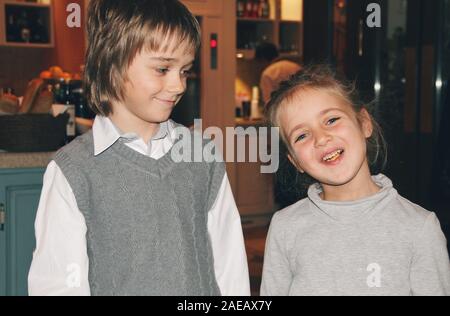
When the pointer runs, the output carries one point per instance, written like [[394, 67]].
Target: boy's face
[[325, 138], [155, 83]]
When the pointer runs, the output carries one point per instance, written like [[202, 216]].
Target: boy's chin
[[157, 119]]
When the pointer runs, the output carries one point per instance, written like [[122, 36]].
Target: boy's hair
[[118, 30], [322, 77]]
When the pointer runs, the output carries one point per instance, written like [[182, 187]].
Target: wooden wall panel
[[19, 65]]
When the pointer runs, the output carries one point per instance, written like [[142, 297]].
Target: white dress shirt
[[60, 263]]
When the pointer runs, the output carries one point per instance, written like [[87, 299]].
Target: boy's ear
[[294, 162], [366, 123]]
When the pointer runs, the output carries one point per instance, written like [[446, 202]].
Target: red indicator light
[[213, 43]]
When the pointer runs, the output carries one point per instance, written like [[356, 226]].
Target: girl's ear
[[366, 123], [294, 162]]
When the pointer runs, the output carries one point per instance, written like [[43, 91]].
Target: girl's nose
[[322, 139]]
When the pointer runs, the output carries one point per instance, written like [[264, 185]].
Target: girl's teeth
[[333, 156]]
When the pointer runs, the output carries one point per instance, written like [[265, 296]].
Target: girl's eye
[[300, 138], [333, 120]]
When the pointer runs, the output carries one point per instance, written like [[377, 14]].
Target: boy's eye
[[162, 70], [186, 73], [333, 120]]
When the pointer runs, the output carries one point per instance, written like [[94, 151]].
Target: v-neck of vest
[[156, 167]]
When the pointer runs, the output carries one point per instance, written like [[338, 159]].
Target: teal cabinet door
[[19, 193]]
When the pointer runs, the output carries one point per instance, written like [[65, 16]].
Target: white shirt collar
[[105, 133]]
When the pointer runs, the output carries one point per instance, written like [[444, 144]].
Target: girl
[[354, 234]]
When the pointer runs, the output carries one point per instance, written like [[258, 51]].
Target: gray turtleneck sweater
[[381, 245]]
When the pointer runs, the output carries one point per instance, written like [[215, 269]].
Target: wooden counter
[[25, 160]]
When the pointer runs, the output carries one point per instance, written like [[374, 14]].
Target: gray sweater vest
[[146, 219]]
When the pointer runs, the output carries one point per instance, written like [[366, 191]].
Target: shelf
[[257, 20], [245, 54], [290, 22], [250, 33]]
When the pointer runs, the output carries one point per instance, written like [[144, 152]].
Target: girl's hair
[[118, 30], [322, 77]]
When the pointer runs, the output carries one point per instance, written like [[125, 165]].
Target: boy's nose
[[176, 84]]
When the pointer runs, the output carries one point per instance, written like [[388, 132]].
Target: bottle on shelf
[[57, 92], [255, 113], [71, 126], [12, 31], [63, 98], [255, 9], [63, 92], [265, 9], [260, 8], [39, 34], [82, 109], [248, 13], [83, 113], [240, 8], [246, 110], [243, 104], [24, 29]]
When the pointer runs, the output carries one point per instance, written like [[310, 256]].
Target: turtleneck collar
[[351, 211]]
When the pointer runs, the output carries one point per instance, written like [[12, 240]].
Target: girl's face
[[324, 135]]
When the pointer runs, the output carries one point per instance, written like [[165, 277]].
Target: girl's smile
[[333, 157]]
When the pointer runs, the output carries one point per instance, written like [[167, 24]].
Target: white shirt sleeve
[[227, 240], [60, 262]]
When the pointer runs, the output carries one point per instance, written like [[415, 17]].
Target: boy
[[117, 215]]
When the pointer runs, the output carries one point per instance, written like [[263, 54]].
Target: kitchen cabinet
[[20, 191], [283, 27], [254, 191], [26, 24]]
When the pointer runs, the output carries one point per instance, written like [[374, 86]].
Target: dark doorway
[[402, 69]]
